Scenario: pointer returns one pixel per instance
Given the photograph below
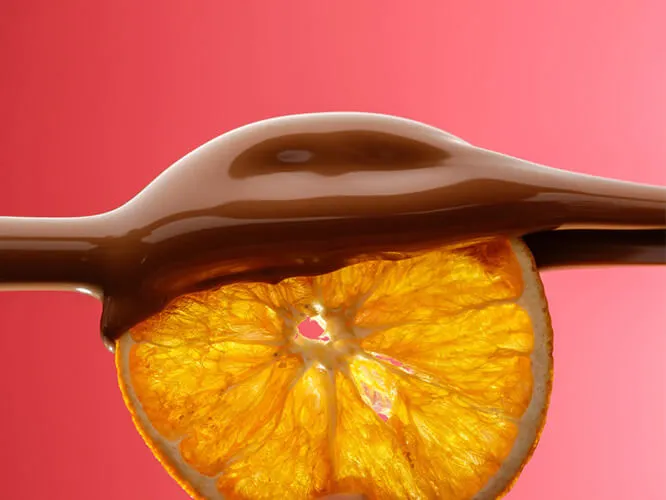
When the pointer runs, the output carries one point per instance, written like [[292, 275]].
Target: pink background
[[97, 97]]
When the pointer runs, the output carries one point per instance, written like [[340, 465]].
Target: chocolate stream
[[308, 194]]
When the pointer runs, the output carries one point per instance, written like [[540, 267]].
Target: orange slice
[[426, 377]]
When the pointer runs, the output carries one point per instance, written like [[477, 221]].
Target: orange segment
[[442, 282], [368, 455], [346, 288], [452, 457], [238, 420], [237, 313], [296, 456], [484, 353], [174, 382], [431, 379], [374, 384]]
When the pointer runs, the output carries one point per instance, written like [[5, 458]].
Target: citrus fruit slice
[[426, 376]]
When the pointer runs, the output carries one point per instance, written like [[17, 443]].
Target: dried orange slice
[[424, 377]]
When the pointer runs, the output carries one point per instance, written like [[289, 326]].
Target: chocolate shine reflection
[[307, 194]]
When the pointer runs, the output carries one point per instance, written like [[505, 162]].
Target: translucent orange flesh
[[415, 392]]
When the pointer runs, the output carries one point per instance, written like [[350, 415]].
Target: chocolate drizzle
[[307, 194]]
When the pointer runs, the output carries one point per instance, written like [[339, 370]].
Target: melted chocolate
[[308, 194]]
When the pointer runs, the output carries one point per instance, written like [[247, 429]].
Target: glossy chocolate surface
[[308, 194]]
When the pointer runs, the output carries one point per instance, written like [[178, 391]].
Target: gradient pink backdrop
[[97, 97]]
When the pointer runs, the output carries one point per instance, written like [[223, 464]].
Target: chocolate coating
[[307, 194]]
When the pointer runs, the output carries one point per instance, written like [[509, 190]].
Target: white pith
[[325, 356]]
